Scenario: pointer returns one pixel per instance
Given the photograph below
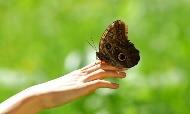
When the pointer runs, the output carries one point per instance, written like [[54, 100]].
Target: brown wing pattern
[[115, 48]]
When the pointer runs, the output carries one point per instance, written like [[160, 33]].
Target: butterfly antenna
[[94, 44], [91, 45]]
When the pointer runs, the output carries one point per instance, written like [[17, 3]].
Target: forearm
[[24, 102], [62, 90]]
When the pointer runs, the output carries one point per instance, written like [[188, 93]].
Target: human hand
[[78, 83], [63, 89]]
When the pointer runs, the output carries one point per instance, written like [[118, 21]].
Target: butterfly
[[115, 48]]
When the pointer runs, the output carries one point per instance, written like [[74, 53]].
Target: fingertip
[[98, 61], [122, 74], [115, 86]]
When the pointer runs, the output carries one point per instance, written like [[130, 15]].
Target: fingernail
[[122, 74], [115, 85]]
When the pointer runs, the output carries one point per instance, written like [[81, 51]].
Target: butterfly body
[[115, 48]]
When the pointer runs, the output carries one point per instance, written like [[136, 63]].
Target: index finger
[[99, 65]]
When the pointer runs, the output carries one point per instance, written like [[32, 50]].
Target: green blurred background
[[43, 39]]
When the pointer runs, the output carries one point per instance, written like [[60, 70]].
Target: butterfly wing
[[115, 48]]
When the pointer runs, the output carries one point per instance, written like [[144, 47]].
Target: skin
[[63, 89]]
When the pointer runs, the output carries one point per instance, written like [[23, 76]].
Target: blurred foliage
[[38, 36]]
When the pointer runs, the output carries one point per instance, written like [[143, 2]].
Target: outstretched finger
[[102, 74], [93, 85], [91, 65], [100, 65], [106, 66]]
